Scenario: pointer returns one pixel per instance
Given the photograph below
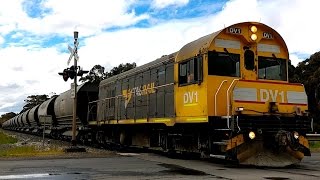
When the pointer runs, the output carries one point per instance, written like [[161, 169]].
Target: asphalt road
[[149, 166]]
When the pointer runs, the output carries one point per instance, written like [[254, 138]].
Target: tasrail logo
[[137, 91]]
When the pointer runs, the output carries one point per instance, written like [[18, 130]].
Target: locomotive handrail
[[228, 102], [215, 97]]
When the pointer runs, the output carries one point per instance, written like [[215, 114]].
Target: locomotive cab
[[245, 96]]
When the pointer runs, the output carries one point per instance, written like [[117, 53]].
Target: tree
[[7, 116], [293, 76], [95, 75], [120, 69], [308, 73], [34, 100]]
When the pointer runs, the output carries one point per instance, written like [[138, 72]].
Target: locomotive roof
[[190, 50], [196, 47], [203, 44], [164, 59]]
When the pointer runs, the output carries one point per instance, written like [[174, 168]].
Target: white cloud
[[91, 16], [34, 70], [160, 4], [296, 23], [1, 40], [140, 45], [295, 59], [64, 17]]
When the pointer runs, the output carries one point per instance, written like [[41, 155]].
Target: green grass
[[5, 139], [23, 151], [29, 151], [315, 144]]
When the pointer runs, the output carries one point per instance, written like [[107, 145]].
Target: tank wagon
[[59, 108], [63, 109], [225, 95]]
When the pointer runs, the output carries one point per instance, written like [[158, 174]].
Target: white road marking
[[22, 176], [128, 154]]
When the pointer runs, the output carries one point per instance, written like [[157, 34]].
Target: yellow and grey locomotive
[[225, 95]]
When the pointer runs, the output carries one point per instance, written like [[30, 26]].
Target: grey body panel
[[157, 104]]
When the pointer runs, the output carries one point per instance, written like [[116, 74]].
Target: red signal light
[[64, 75]]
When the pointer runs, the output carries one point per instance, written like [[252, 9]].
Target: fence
[[313, 137]]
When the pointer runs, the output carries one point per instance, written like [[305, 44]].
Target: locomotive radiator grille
[[275, 123]]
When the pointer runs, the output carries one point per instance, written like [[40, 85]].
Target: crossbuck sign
[[73, 53]]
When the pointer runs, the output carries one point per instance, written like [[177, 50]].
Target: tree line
[[307, 73], [97, 74]]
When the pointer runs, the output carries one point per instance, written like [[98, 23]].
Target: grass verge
[[8, 148], [29, 151], [5, 139], [314, 146]]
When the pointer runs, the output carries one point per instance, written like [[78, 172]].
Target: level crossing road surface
[[149, 166]]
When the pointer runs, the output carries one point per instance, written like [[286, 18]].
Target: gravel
[[31, 140]]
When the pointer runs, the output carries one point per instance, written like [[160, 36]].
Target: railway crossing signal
[[72, 73], [81, 72]]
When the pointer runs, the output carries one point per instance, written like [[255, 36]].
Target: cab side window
[[223, 64], [190, 71]]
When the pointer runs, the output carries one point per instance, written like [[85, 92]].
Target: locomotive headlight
[[296, 135], [253, 29], [253, 37], [252, 135], [238, 109]]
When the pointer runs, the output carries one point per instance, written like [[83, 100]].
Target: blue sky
[[34, 35]]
